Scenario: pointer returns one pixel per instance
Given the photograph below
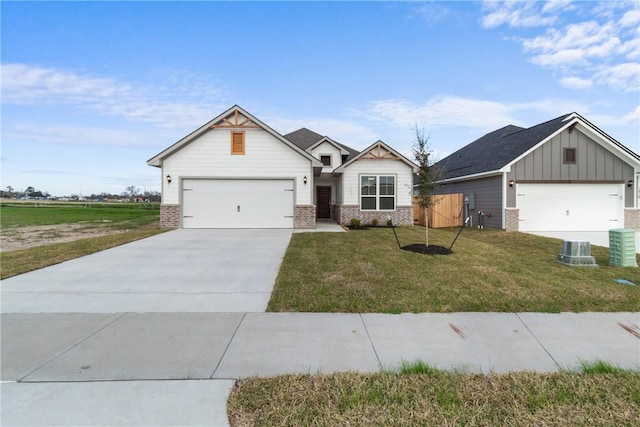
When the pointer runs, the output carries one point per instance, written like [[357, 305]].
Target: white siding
[[210, 156], [351, 182], [327, 149]]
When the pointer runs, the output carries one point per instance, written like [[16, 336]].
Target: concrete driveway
[[163, 308], [178, 271]]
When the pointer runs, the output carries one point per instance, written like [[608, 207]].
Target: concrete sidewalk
[[139, 368]]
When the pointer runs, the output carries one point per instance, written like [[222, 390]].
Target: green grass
[[137, 219], [24, 260], [438, 398], [123, 215], [490, 270], [601, 367]]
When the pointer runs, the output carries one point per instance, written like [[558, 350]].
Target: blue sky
[[91, 90]]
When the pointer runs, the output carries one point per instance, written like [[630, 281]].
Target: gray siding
[[593, 163], [488, 197]]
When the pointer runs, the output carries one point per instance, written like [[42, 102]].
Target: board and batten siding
[[593, 163], [209, 156], [327, 149], [350, 194], [488, 198]]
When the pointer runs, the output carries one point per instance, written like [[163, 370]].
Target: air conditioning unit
[[622, 247], [576, 254]]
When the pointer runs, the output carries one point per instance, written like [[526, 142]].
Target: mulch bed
[[420, 248]]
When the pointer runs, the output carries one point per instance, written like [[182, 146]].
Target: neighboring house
[[561, 175], [237, 172]]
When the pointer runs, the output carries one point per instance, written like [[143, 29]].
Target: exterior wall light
[[304, 180], [630, 183], [168, 179], [511, 182]]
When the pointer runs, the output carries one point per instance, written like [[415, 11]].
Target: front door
[[323, 202]]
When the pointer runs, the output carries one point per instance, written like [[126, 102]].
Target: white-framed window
[[325, 159], [377, 192]]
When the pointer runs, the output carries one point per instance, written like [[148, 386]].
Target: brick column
[[304, 216], [512, 219], [632, 219], [170, 216]]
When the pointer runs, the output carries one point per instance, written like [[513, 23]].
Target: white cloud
[[598, 49], [432, 12], [631, 18], [623, 77], [24, 84], [78, 135], [633, 117], [576, 83], [454, 111], [521, 13]]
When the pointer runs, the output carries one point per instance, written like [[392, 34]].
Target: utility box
[[576, 254], [622, 247]]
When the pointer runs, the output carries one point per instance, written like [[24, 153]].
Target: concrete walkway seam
[[538, 341], [373, 347], [70, 348], [227, 347]]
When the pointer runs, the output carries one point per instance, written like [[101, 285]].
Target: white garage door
[[242, 203], [570, 207]]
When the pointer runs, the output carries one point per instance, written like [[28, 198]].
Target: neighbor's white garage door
[[243, 203], [570, 207]]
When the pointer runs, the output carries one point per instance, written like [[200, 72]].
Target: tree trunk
[[426, 227]]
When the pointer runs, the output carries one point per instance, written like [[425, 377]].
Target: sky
[[92, 90]]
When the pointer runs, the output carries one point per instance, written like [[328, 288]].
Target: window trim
[[330, 160], [377, 196], [238, 153], [565, 152]]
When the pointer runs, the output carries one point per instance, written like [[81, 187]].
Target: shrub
[[374, 222], [389, 222], [355, 223]]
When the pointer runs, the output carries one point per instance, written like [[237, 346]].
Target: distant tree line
[[131, 193]]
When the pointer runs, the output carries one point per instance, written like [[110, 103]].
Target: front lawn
[[122, 215], [490, 270], [438, 398]]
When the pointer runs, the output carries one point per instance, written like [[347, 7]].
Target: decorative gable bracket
[[235, 120], [379, 152]]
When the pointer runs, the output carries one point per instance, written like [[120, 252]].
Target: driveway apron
[[178, 271], [132, 335]]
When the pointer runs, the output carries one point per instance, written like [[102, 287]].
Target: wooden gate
[[445, 211]]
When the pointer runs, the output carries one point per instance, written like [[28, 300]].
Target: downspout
[[504, 200]]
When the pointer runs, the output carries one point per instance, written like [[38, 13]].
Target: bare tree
[[428, 174], [131, 191]]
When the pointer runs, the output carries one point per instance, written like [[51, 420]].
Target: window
[[325, 159], [569, 156], [377, 192], [237, 142]]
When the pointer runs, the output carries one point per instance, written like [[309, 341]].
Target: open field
[[35, 235], [490, 270], [23, 214], [431, 397], [29, 224]]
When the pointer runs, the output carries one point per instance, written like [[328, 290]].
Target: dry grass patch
[[490, 270], [24, 260], [437, 398]]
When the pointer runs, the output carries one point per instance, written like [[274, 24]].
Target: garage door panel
[[570, 207], [237, 203]]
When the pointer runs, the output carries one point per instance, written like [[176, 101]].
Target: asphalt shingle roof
[[496, 149], [305, 138]]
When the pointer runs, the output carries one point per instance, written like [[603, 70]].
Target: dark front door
[[323, 200]]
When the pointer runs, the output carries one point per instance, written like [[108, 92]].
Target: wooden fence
[[446, 211]]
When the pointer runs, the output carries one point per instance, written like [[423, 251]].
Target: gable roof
[[503, 147], [377, 150], [307, 139], [229, 119]]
